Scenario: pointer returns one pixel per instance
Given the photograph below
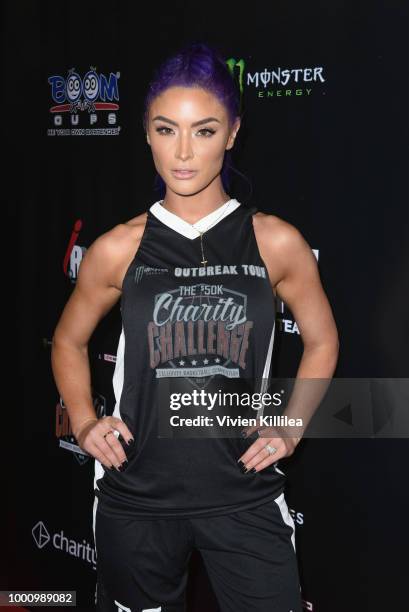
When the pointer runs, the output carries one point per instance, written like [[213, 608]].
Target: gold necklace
[[204, 261]]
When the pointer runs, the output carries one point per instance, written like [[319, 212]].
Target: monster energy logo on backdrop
[[231, 64]]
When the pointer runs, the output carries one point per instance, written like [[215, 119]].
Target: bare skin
[[201, 148], [291, 266]]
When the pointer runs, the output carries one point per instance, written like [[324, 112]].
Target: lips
[[183, 174]]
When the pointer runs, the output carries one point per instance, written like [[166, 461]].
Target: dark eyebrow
[[207, 120]]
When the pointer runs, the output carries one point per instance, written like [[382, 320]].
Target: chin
[[185, 190]]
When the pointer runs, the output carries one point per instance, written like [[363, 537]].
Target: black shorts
[[250, 558]]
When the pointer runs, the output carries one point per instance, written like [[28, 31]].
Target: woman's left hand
[[257, 457]]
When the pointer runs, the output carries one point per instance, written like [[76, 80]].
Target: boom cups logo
[[94, 95]]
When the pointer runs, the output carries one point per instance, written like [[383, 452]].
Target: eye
[[209, 131], [159, 129]]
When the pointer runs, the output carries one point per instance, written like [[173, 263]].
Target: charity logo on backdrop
[[276, 81], [84, 104], [58, 540]]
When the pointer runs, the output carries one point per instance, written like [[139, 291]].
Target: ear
[[147, 138], [233, 133]]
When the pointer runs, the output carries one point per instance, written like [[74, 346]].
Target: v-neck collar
[[186, 229]]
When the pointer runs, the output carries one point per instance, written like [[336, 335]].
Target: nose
[[184, 148]]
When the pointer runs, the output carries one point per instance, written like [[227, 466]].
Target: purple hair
[[197, 65]]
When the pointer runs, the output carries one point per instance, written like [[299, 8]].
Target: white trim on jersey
[[266, 372], [118, 383], [183, 227], [266, 379], [285, 513]]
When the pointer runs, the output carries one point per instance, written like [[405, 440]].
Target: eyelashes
[[209, 130]]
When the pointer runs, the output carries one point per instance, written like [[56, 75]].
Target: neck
[[192, 208]]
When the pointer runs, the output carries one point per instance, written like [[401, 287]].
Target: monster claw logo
[[276, 82], [231, 64], [94, 96]]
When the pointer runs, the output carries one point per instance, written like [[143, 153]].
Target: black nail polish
[[131, 441], [123, 465], [253, 470], [242, 466]]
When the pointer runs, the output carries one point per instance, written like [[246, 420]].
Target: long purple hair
[[197, 65]]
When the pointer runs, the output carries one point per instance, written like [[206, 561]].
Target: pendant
[[204, 261]]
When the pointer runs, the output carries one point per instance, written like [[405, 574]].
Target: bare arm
[[293, 271], [301, 289], [294, 274], [93, 297]]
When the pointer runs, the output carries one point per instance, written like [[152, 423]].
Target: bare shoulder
[[281, 245], [278, 235], [131, 229], [115, 248], [121, 237], [136, 223], [275, 230]]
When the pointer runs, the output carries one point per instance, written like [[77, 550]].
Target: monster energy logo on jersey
[[147, 271]]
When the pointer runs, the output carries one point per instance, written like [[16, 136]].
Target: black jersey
[[190, 325]]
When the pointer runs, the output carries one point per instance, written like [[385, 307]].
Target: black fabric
[[249, 557], [175, 477]]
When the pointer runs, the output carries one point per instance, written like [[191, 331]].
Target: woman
[[196, 274]]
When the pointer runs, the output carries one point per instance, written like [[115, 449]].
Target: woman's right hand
[[97, 438]]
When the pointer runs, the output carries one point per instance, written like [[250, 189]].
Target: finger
[[109, 447], [269, 432], [117, 448], [258, 454], [121, 433], [275, 432], [247, 431], [264, 431], [123, 429], [252, 428], [263, 463], [255, 448], [94, 450]]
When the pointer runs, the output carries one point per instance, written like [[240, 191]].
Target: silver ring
[[271, 449]]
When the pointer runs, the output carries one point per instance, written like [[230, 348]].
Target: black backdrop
[[326, 155]]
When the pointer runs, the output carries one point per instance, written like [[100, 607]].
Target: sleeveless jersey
[[185, 326]]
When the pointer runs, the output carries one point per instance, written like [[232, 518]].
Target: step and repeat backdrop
[[322, 142]]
